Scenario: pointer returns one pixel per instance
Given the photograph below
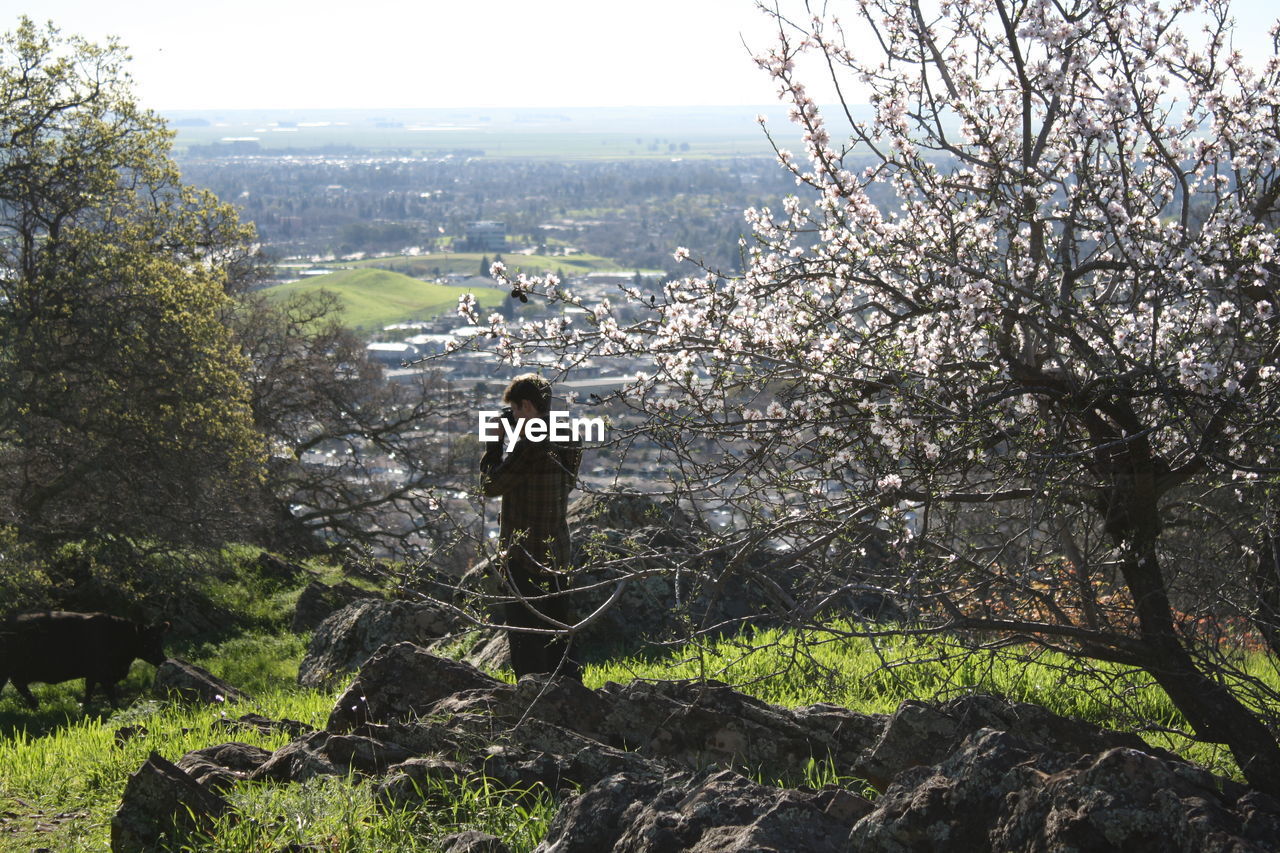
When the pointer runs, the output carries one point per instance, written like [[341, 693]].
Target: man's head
[[528, 389]]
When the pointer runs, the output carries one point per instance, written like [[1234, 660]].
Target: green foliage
[[122, 405], [25, 583]]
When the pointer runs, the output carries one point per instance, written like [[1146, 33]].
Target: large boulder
[[483, 648], [347, 638], [319, 601], [160, 804], [999, 792], [401, 681], [178, 679], [698, 724], [920, 733], [623, 543], [328, 754], [219, 768], [718, 812]]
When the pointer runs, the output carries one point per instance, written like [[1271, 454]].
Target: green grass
[[875, 676], [373, 298], [343, 813]]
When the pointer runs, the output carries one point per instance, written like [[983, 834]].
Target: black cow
[[56, 645]]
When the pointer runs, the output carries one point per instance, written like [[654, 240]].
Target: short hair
[[531, 387]]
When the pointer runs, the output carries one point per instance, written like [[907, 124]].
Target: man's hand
[[492, 454]]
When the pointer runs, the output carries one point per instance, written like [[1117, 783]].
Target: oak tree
[[123, 409]]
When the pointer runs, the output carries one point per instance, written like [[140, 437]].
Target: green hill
[[373, 298], [469, 263]]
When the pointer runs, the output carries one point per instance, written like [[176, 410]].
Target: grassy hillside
[[469, 263], [65, 782], [373, 298], [62, 768]]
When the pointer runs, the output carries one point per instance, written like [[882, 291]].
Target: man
[[534, 481]]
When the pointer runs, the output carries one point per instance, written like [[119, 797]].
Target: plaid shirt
[[534, 482]]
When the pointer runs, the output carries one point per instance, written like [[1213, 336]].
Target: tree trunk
[[1266, 585], [1213, 711]]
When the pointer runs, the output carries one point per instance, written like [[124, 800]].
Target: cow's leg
[[110, 689], [26, 694], [88, 690]]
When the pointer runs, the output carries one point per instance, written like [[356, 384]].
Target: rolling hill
[[373, 298]]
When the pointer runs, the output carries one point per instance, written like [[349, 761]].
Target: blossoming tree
[[1021, 315]]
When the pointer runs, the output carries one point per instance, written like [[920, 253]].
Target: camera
[[508, 415]]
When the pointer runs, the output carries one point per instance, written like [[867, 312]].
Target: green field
[[373, 298], [426, 266]]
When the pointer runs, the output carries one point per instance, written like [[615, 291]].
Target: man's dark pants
[[539, 652]]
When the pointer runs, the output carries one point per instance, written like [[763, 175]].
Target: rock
[[491, 651], [633, 532], [592, 821], [720, 811], [922, 734], [410, 782], [318, 601], [124, 734], [160, 804], [625, 511], [328, 754], [563, 701], [400, 681], [473, 841], [697, 724], [263, 725], [219, 767], [280, 570], [1014, 796], [190, 683], [347, 638]]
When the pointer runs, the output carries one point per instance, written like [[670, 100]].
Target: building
[[485, 236], [392, 354]]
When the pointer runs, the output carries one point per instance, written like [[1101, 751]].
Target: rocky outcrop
[[220, 767], [275, 568], [178, 679], [347, 638], [328, 754], [400, 681], [161, 802], [923, 734], [319, 601], [489, 649], [697, 766], [709, 813], [473, 842], [999, 792]]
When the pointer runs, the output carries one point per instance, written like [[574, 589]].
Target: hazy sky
[[382, 54]]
